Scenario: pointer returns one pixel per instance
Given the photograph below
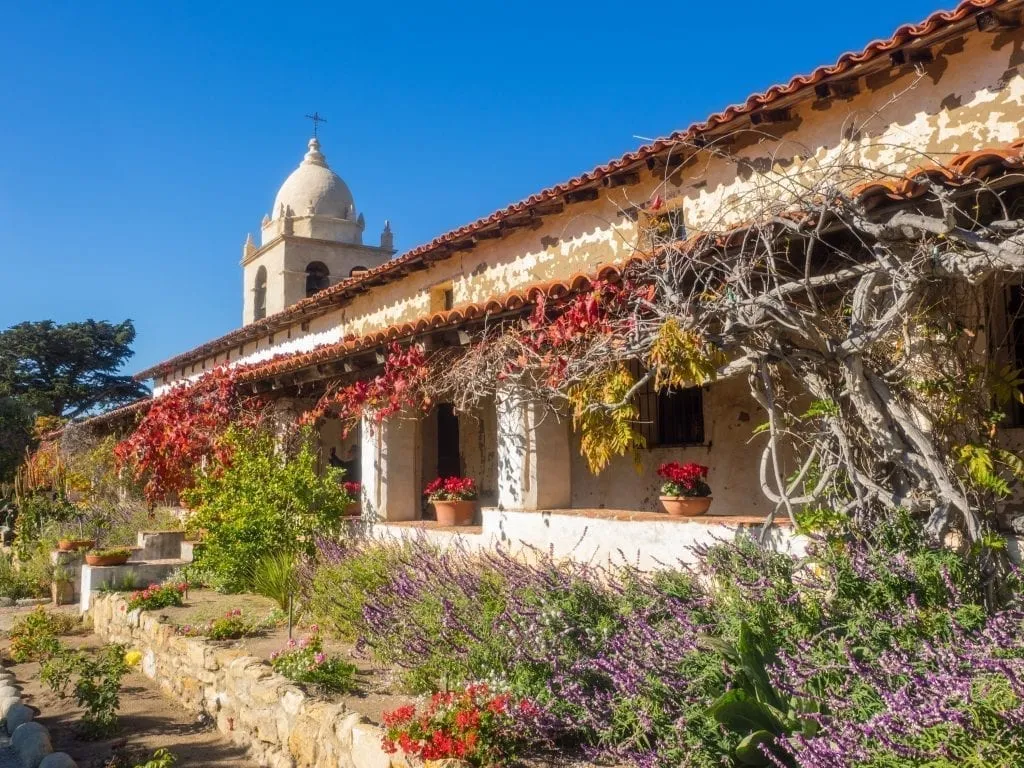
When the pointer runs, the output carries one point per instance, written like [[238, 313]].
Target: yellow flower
[[132, 658]]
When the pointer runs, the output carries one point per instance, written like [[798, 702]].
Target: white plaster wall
[[730, 452], [963, 101], [644, 544]]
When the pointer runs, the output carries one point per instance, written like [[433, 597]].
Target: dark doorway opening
[[449, 460]]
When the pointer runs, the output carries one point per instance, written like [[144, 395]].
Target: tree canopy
[[69, 369]]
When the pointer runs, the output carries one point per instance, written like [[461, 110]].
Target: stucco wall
[[970, 96], [730, 451], [648, 542]]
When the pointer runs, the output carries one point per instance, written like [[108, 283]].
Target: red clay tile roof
[[965, 167], [121, 412], [510, 302], [438, 248]]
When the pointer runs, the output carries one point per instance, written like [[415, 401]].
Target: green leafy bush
[[231, 626], [263, 503], [304, 661], [97, 684], [160, 759], [31, 579], [157, 596], [34, 637]]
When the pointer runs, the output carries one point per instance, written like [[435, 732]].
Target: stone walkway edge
[[280, 724], [24, 743]]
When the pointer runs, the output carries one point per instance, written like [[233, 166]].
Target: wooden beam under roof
[[581, 195]]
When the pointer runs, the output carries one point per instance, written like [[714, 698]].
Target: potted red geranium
[[685, 491], [355, 507], [454, 499]]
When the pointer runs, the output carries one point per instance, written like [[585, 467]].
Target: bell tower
[[311, 239]]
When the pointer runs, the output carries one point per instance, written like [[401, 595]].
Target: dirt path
[[148, 721]]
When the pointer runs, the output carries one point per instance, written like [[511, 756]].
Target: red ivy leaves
[[551, 331], [399, 386], [182, 430]]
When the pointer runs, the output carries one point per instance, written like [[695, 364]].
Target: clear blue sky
[[142, 141]]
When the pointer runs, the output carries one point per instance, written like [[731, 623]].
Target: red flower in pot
[[685, 491], [454, 499]]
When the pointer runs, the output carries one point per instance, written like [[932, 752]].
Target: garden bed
[[376, 688], [148, 721]]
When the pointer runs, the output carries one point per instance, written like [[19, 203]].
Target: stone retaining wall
[[283, 726]]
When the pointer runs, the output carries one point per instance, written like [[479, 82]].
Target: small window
[[671, 416], [318, 277], [442, 298], [259, 304]]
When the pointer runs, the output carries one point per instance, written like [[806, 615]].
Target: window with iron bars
[[671, 416], [1015, 344]]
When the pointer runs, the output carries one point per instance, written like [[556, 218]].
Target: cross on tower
[[315, 117]]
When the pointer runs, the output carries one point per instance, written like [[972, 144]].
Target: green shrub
[[160, 759], [342, 584], [275, 576], [157, 596], [34, 637], [304, 661], [98, 690], [97, 684], [30, 579], [263, 503]]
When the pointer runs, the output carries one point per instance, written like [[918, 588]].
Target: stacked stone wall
[[281, 724]]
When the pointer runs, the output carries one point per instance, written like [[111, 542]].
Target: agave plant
[[754, 709]]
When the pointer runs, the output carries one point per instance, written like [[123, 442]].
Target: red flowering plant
[[182, 431], [477, 725], [451, 489], [158, 596], [399, 386], [352, 488], [687, 480]]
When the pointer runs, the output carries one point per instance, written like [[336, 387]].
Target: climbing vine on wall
[[399, 386], [182, 432]]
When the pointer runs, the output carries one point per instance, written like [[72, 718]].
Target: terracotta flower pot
[[105, 560], [355, 509], [686, 506], [451, 513], [73, 545]]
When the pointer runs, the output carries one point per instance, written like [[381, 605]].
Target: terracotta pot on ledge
[[354, 509], [106, 560], [686, 506], [452, 513], [73, 545]]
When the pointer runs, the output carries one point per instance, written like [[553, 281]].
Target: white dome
[[313, 188]]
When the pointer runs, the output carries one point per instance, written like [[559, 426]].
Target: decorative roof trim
[[398, 267]]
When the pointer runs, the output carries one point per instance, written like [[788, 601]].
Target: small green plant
[[231, 626], [160, 759], [97, 684], [304, 661], [754, 709], [57, 670], [158, 596], [128, 582], [274, 576], [34, 637], [111, 552], [98, 690]]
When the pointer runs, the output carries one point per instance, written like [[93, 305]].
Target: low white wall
[[644, 543]]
